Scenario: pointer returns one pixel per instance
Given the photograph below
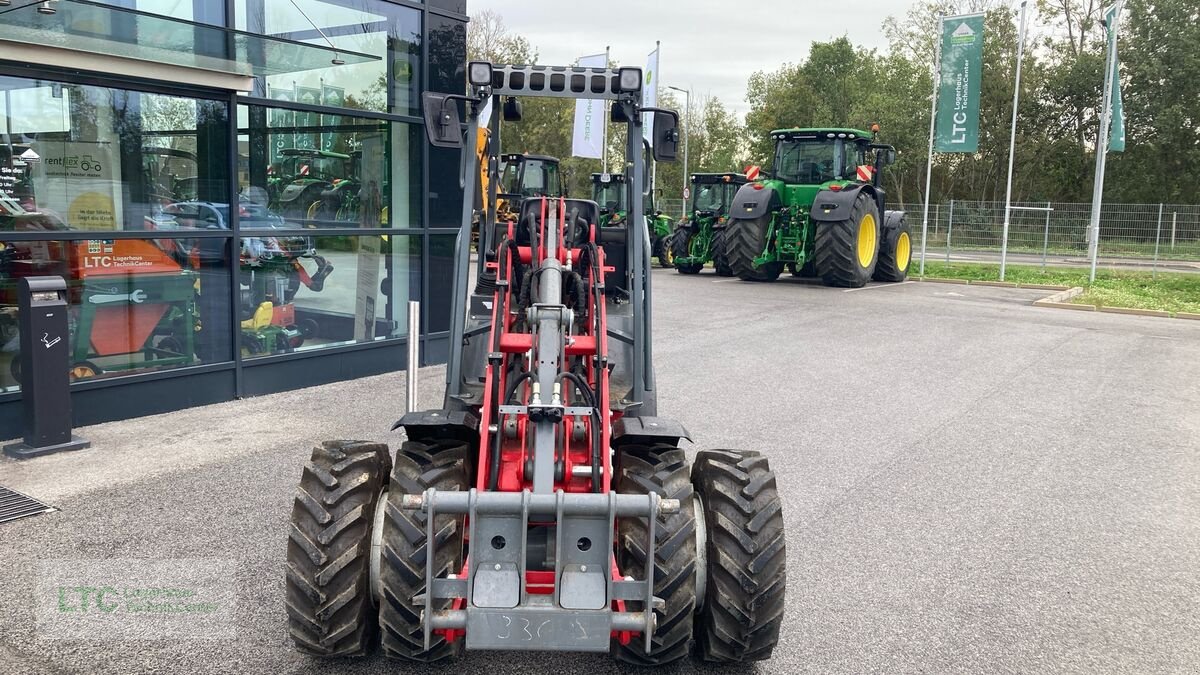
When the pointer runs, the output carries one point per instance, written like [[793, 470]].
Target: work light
[[479, 73], [629, 80]]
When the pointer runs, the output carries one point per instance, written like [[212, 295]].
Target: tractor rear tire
[[681, 247], [745, 557], [895, 252], [329, 602], [848, 250], [661, 469], [418, 467], [719, 256], [746, 240], [662, 251]]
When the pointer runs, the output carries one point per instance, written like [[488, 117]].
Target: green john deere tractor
[[700, 239], [820, 212], [611, 192]]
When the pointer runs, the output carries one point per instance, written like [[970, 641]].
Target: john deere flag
[[588, 140], [308, 122], [1116, 138], [958, 86], [650, 94], [334, 97]]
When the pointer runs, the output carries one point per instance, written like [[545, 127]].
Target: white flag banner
[[650, 94], [588, 140]]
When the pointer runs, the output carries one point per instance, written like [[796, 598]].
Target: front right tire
[[745, 556]]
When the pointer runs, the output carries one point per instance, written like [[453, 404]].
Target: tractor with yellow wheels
[[820, 212]]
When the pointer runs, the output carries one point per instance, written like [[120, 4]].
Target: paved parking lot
[[971, 484]]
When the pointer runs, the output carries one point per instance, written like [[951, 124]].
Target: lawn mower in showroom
[[545, 506]]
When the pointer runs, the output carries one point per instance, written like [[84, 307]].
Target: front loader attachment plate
[[578, 608]]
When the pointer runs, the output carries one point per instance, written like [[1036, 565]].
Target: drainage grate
[[14, 505]]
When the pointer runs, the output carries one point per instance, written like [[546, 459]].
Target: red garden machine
[[545, 505]]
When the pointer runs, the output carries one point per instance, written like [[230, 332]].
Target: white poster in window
[[80, 184], [370, 212]]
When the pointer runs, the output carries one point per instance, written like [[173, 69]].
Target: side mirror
[[666, 136], [890, 156], [513, 111], [442, 124]]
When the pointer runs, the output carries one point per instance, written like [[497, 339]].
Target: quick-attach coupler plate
[[500, 612]]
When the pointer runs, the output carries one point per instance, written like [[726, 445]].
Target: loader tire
[[895, 251], [745, 557], [661, 469], [681, 247], [418, 467], [331, 611], [719, 256], [847, 250], [746, 240]]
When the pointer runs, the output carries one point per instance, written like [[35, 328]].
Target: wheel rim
[[903, 251], [866, 240]]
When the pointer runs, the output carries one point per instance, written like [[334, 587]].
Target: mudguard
[[836, 205], [892, 219], [439, 425], [749, 203], [647, 430]]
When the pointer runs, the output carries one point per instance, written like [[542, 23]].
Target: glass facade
[[206, 231]]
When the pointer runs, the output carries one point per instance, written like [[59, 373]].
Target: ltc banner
[[650, 94], [588, 140], [1116, 138], [958, 84]]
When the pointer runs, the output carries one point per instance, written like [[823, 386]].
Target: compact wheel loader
[[821, 212], [545, 505]]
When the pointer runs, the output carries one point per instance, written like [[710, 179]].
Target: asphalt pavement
[[971, 484]]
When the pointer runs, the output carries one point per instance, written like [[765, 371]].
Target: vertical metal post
[[1046, 241], [1174, 214], [1102, 144], [414, 354], [933, 101], [949, 229], [1012, 145], [1157, 238]]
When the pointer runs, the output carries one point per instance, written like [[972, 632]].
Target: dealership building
[[239, 193]]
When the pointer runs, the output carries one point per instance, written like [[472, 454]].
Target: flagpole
[[1012, 145], [657, 79], [937, 76], [1102, 147], [604, 128]]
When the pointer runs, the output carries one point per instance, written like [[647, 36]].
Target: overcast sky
[[711, 46]]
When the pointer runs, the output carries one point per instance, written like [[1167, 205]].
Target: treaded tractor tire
[[895, 251], [837, 246], [662, 251], [661, 469], [719, 256], [746, 240], [746, 560], [418, 467], [329, 603], [681, 247]]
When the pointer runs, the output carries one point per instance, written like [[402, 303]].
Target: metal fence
[[1048, 232]]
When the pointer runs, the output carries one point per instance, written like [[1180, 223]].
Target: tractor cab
[[712, 194], [529, 176], [610, 193], [818, 158]]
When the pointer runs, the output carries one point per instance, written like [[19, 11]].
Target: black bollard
[[45, 360]]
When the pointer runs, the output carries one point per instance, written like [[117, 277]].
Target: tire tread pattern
[[329, 604], [747, 572]]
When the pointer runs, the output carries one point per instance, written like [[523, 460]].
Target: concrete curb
[[1134, 312], [1065, 305], [1000, 284], [933, 280], [1187, 315], [1064, 296], [1044, 287], [997, 284]]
